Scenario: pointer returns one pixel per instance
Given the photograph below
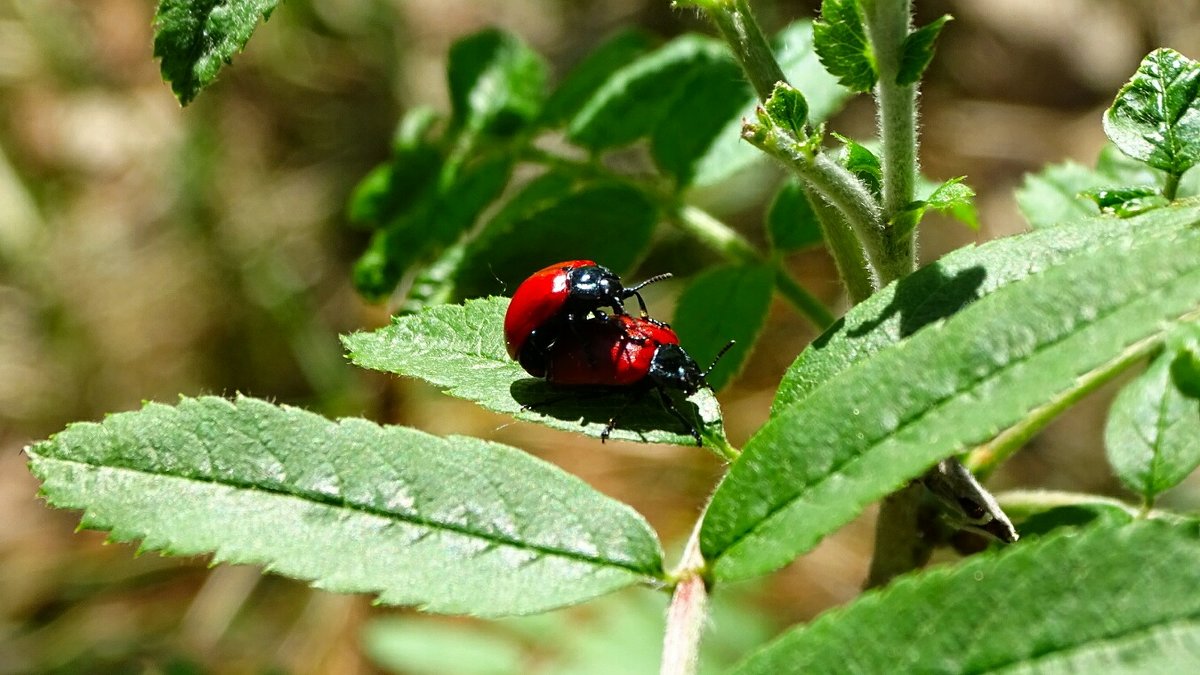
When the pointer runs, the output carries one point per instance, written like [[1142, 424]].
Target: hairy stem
[[899, 534], [888, 23], [741, 31], [845, 248], [832, 182], [687, 612]]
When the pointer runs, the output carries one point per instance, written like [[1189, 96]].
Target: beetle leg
[[670, 406]]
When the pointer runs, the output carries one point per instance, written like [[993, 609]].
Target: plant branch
[[741, 31], [687, 612], [844, 247], [721, 238], [831, 181]]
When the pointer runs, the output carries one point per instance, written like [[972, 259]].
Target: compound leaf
[[630, 103], [349, 505], [939, 290], [586, 77], [557, 217]]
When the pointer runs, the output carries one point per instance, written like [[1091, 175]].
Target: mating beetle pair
[[556, 328]]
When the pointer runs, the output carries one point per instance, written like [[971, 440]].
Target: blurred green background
[[148, 251]]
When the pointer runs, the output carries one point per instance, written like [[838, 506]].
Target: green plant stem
[[741, 31], [805, 302], [888, 23], [844, 247], [687, 613], [1171, 186], [1025, 503], [719, 237], [984, 459], [898, 534], [832, 182]]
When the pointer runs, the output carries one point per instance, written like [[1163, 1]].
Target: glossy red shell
[[537, 300], [615, 353]]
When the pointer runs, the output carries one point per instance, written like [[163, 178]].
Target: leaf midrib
[[411, 519], [940, 403]]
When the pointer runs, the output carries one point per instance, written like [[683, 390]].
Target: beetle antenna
[[727, 347], [503, 286], [633, 291]]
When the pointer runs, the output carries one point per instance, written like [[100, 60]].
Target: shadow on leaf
[[637, 412], [925, 297]]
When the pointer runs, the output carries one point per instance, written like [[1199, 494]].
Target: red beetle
[[625, 351], [557, 297]]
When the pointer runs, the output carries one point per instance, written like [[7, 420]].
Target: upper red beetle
[[554, 298]]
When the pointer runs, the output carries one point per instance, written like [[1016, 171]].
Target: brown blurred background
[[148, 251]]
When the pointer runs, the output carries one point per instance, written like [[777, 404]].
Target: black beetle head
[[672, 368], [595, 286]]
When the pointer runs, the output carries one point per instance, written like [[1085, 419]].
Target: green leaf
[[788, 108], [726, 153], [860, 161], [350, 506], [1156, 116], [791, 222], [723, 304], [557, 217], [418, 646], [1185, 366], [631, 103], [917, 51], [497, 83], [710, 96], [460, 349], [1126, 202], [1153, 432], [1000, 362], [1052, 196], [196, 38], [394, 188], [1120, 169], [941, 289], [440, 218], [590, 74], [955, 199], [840, 38], [1109, 599]]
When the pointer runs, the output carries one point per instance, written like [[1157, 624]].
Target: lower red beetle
[[554, 299], [625, 351]]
